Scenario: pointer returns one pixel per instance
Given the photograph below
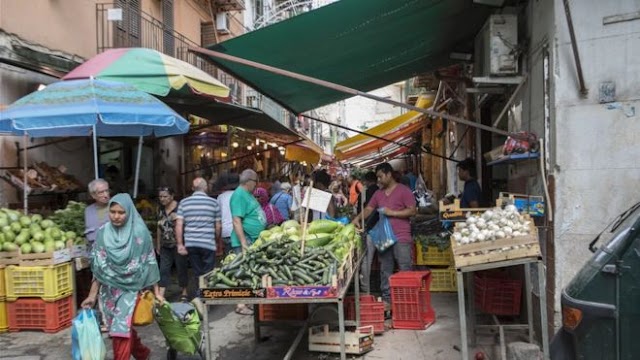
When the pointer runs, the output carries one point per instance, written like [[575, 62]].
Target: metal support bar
[[527, 281], [296, 341], [464, 346], [574, 46], [469, 330], [341, 88], [543, 309], [513, 97]]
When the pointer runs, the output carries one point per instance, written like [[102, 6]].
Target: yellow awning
[[387, 127], [306, 150], [302, 153]]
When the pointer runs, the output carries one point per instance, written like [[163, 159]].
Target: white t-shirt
[[224, 200]]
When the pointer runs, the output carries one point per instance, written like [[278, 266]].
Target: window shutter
[[168, 40]]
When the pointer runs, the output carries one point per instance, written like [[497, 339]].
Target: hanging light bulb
[[282, 152], [266, 146], [257, 141], [235, 144], [249, 147]]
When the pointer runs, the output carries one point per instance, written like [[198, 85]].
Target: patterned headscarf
[[123, 257], [273, 215]]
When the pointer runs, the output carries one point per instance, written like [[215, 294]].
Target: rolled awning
[[391, 131]]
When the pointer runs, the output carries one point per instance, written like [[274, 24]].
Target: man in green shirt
[[248, 218]]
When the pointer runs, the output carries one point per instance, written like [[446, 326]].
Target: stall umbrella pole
[[305, 219], [95, 153], [137, 176], [25, 191]]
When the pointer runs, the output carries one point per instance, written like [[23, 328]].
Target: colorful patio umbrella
[[92, 107], [150, 71]]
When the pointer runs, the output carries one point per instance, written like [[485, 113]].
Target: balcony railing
[[136, 28], [131, 27]]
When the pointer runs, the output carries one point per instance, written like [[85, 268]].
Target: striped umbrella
[[150, 71]]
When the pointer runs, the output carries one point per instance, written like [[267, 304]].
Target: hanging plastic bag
[[382, 234], [143, 313], [86, 340]]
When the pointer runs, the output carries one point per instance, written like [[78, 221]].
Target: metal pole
[[96, 165], [342, 88], [574, 46], [510, 101], [25, 192], [137, 176]]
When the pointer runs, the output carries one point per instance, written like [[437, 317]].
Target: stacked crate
[[39, 297], [4, 323], [440, 263]]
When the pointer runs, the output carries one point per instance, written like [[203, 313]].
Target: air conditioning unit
[[496, 52], [222, 23]]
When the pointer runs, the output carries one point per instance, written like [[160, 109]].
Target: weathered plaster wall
[[596, 162]]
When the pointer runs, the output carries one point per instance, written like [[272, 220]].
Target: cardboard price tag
[[317, 199]]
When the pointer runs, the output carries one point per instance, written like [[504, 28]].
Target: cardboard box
[[357, 343], [494, 154]]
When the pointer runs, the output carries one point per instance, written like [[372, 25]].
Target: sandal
[[244, 311]]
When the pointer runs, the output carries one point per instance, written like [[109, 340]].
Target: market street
[[232, 338]]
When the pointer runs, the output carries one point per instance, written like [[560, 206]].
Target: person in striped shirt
[[198, 227]]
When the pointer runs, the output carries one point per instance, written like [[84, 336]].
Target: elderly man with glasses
[[96, 214]]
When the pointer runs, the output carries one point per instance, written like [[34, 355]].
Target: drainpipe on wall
[[574, 46]]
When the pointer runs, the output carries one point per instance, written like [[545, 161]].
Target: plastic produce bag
[[86, 340], [382, 234]]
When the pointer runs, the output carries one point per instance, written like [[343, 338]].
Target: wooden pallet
[[491, 251]]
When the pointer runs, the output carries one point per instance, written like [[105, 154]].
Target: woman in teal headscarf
[[123, 262]]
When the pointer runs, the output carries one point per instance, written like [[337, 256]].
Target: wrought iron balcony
[[131, 27]]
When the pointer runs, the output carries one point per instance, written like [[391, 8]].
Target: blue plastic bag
[[343, 219], [86, 340], [382, 235]]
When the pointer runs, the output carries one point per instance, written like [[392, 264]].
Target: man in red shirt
[[396, 201]]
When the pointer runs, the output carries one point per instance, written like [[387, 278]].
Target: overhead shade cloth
[[385, 129], [220, 113], [362, 44]]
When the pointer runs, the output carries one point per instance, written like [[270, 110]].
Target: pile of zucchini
[[280, 259]]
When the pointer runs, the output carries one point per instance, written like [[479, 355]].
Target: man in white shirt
[[228, 185]]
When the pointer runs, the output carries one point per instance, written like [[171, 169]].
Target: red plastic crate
[[274, 312], [36, 314], [371, 312], [411, 300], [497, 295]]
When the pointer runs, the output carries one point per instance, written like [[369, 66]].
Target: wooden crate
[[46, 258], [10, 257], [453, 212], [491, 251]]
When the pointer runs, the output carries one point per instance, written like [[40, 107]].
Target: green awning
[[362, 44]]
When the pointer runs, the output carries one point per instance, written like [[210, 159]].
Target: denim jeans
[[169, 256], [365, 267], [400, 253], [202, 261]]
